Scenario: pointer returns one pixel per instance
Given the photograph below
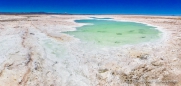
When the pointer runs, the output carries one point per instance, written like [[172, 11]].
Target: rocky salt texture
[[35, 52]]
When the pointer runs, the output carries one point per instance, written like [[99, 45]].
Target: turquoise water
[[114, 33], [100, 18]]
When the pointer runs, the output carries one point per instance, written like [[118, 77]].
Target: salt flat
[[35, 52]]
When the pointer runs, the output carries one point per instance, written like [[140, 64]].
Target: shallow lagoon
[[114, 33]]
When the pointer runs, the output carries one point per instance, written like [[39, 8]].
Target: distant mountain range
[[49, 13]]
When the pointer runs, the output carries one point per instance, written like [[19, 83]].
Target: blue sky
[[94, 6]]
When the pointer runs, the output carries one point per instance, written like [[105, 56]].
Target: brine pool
[[107, 32]]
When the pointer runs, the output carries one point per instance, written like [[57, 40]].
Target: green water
[[114, 33]]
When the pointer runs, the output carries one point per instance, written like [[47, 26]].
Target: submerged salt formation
[[34, 51], [109, 33]]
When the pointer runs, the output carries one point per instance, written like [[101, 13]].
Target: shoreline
[[163, 37]]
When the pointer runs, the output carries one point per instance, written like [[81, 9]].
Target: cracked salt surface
[[36, 53]]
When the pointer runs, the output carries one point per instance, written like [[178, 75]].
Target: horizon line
[[59, 13]]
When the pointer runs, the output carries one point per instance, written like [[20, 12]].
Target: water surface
[[114, 33]]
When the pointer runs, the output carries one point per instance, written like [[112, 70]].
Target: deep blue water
[[150, 7]]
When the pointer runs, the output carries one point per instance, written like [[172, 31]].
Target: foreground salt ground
[[34, 52]]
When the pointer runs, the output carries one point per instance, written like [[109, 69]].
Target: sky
[[157, 7]]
